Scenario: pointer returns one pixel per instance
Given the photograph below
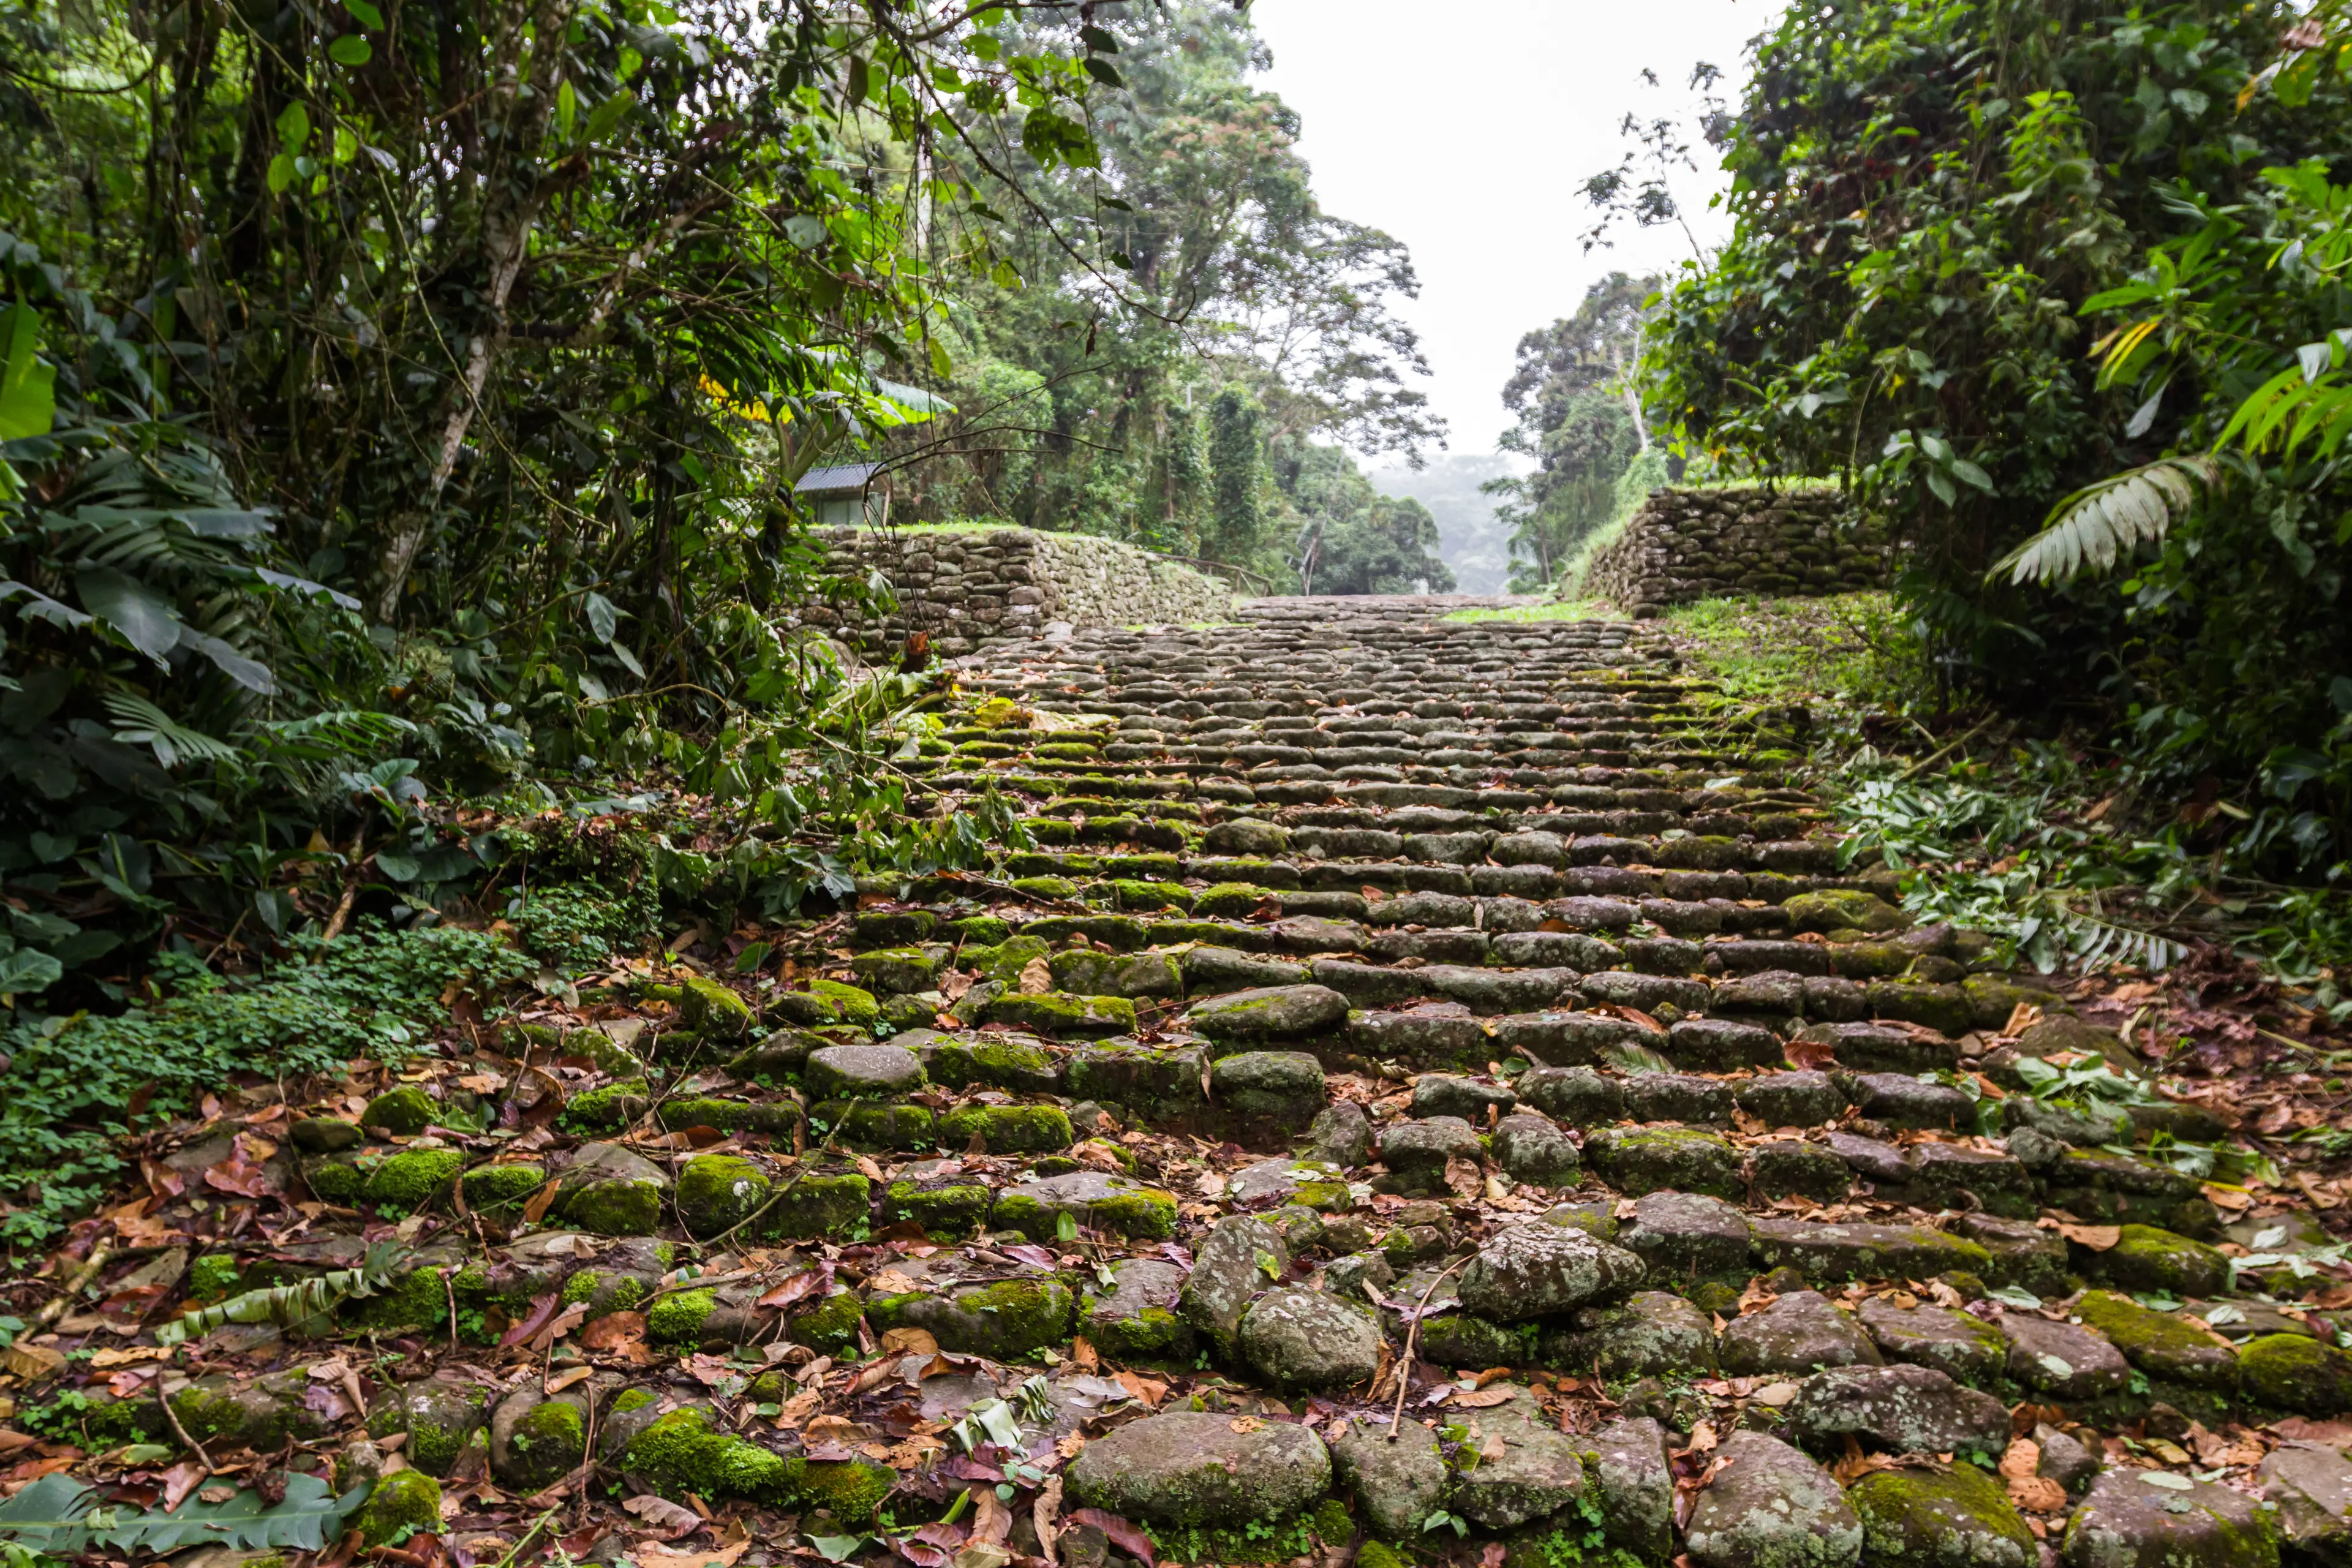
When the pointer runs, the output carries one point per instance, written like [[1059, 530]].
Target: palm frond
[[138, 723], [2100, 523]]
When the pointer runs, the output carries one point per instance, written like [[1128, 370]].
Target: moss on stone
[[849, 1490], [420, 1301], [677, 1318], [871, 1125], [580, 1285], [405, 1503], [991, 1061], [212, 1276], [630, 1399], [551, 1439], [831, 1326], [979, 931], [1008, 1128], [407, 1110], [617, 1207], [2156, 1341], [337, 1179], [1002, 1322], [1227, 900], [1375, 1554], [602, 1109], [817, 1205], [1052, 1013], [679, 1452], [1956, 1518], [946, 1214], [1060, 888], [715, 1193], [1144, 1212], [1150, 1333], [2147, 1258], [412, 1179], [713, 1010], [2297, 1373], [489, 1187]]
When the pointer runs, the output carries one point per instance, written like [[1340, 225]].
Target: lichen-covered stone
[[2126, 1522], [1899, 1409], [1771, 1506], [1004, 1321], [1272, 1012], [713, 1011], [612, 1191], [1117, 1206], [1243, 1256], [1532, 1270], [1526, 1470], [862, 1072], [1192, 1469], [1645, 1160], [1653, 1334], [1682, 1238], [2060, 1360], [1395, 1483], [826, 1002], [1961, 1345], [1136, 1319], [1304, 1338], [1796, 1333]]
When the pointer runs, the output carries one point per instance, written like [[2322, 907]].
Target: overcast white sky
[[1466, 132]]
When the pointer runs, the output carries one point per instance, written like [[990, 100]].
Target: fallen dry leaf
[[675, 1518], [649, 1554], [2097, 1238]]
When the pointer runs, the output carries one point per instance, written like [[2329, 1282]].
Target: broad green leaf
[[1103, 71], [148, 620], [352, 49], [294, 127], [567, 108], [603, 616], [281, 174], [366, 12], [607, 116], [1941, 483], [29, 970], [27, 387], [858, 78], [399, 867], [2099, 523], [1968, 473]]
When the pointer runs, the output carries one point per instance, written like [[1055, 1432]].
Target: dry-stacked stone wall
[[1687, 544], [969, 587]]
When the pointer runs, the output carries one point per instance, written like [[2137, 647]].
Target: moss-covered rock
[[2161, 1344], [830, 1326], [994, 1061], [407, 1110], [826, 1002], [1057, 888], [2147, 1258], [1111, 1204], [1844, 908], [605, 1108], [717, 1192], [2294, 1372], [1052, 1013], [1955, 1518], [212, 1276], [1003, 1320], [419, 1299], [896, 971], [713, 1011], [818, 1204], [869, 1124], [412, 1179], [1646, 1160], [946, 1213], [405, 1503], [492, 1186], [682, 1452], [677, 1318], [536, 1441], [979, 931], [1008, 1128], [849, 1490]]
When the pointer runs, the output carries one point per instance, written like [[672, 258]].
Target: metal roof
[[841, 476]]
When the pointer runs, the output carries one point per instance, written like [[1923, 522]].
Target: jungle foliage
[[1183, 335], [401, 407], [2001, 264]]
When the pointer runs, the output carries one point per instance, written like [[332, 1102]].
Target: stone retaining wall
[[969, 587], [1686, 544]]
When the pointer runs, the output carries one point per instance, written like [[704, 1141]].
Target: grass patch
[[1572, 610], [1850, 649]]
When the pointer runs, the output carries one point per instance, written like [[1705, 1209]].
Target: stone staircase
[[1388, 1013]]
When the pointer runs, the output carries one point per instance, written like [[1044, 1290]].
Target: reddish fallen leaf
[[1029, 1252], [535, 1208], [1121, 1534], [542, 1312], [615, 1333], [675, 1518], [1809, 1056], [808, 1282]]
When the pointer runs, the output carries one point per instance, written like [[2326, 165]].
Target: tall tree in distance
[[1580, 417], [1236, 518]]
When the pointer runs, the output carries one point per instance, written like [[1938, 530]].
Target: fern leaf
[[2100, 523], [1628, 1057]]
